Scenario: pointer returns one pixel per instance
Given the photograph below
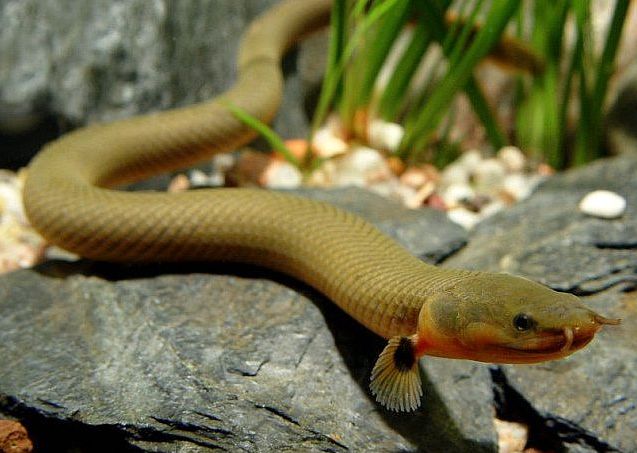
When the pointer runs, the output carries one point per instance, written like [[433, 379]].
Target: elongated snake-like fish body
[[421, 308]]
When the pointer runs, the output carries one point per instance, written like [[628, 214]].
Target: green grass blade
[[606, 64], [485, 114], [392, 97], [338, 22], [326, 99], [574, 67], [605, 69], [541, 118], [378, 31], [551, 116], [480, 105], [387, 30], [332, 86], [582, 150], [273, 139], [458, 74], [460, 43]]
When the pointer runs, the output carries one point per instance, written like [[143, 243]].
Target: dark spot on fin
[[404, 357], [395, 380]]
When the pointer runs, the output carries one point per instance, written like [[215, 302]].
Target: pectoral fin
[[395, 380]]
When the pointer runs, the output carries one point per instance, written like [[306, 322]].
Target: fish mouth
[[551, 342], [562, 341]]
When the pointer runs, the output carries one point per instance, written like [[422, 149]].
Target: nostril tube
[[599, 319]]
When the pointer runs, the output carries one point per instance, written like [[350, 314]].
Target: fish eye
[[523, 322]]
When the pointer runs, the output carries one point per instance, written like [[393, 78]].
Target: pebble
[[436, 202], [517, 185], [392, 189], [489, 174], [179, 183], [200, 179], [491, 208], [223, 162], [455, 194], [297, 147], [396, 165], [360, 166], [455, 173], [14, 438], [419, 197], [11, 194], [603, 203], [326, 143], [463, 217], [385, 135], [512, 158], [545, 170], [470, 159], [512, 436], [20, 245], [281, 175], [416, 177], [264, 170], [323, 176]]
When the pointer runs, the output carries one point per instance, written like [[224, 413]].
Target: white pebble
[[517, 185], [392, 189], [361, 166], [463, 217], [282, 175], [416, 177], [603, 203], [11, 196], [200, 179], [327, 144], [454, 174], [385, 135], [223, 162], [492, 208], [456, 193], [324, 175], [418, 198], [489, 174], [470, 159], [512, 158]]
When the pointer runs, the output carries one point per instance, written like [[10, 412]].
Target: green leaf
[[458, 75], [273, 139]]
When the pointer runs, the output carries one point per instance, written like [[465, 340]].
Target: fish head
[[501, 318]]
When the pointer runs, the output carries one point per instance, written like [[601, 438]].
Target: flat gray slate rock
[[185, 358], [589, 399]]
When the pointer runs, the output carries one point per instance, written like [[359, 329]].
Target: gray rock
[[184, 358], [116, 59], [589, 400], [70, 63]]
